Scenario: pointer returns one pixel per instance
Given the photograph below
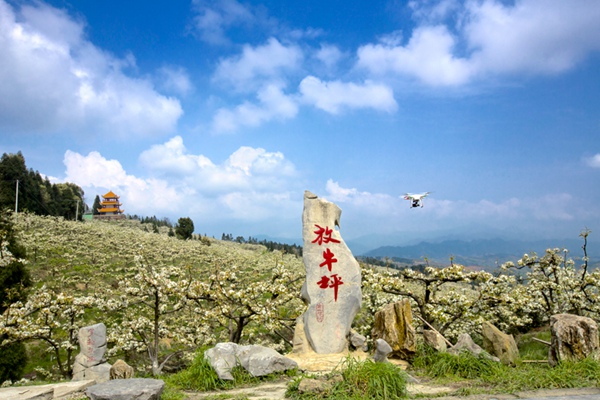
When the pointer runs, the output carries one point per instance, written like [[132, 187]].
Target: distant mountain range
[[487, 253]]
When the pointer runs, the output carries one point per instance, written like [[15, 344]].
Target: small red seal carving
[[320, 312]]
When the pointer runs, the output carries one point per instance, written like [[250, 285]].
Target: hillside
[[87, 256]]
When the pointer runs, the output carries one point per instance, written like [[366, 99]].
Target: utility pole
[[17, 198], [77, 212]]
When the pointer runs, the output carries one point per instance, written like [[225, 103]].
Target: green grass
[[362, 380], [479, 374], [201, 377]]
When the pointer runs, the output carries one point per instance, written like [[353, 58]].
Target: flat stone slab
[[127, 389], [43, 392]]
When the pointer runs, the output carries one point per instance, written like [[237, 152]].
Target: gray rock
[[92, 345], [257, 360], [260, 360], [382, 350], [466, 343], [393, 323], [223, 359], [99, 373], [500, 344], [434, 340], [127, 389], [573, 338], [332, 290], [358, 341]]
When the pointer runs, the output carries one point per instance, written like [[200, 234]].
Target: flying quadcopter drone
[[416, 200]]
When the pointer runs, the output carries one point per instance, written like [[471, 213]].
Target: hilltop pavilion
[[110, 207]]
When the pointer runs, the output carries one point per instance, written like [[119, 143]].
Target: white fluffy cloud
[[273, 103], [251, 184], [335, 95], [54, 78], [255, 65], [491, 38], [213, 19]]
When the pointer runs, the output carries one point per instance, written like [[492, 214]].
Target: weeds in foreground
[[486, 375], [361, 380]]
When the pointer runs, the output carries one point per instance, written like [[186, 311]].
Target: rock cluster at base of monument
[[499, 344], [573, 338], [90, 362], [332, 290], [119, 389], [257, 360], [393, 323]]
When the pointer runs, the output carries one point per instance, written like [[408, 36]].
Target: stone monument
[[90, 362], [332, 290]]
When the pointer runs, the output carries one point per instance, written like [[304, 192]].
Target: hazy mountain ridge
[[485, 252]]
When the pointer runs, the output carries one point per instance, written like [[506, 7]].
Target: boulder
[[128, 389], [382, 350], [393, 323], [466, 343], [357, 341], [332, 290], [499, 344], [435, 340], [257, 360], [223, 359], [121, 370], [573, 338], [260, 360]]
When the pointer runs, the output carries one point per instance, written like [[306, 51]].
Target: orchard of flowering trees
[[162, 298]]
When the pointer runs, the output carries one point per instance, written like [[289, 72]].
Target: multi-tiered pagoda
[[110, 207]]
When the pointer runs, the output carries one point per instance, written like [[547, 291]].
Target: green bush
[[14, 359]]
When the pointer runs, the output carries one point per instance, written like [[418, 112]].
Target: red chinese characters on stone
[[329, 259], [333, 281], [324, 235]]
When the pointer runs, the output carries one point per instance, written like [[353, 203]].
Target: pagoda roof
[[106, 210], [110, 194]]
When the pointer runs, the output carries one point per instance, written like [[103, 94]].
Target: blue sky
[[226, 111]]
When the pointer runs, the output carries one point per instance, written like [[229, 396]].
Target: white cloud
[[593, 161], [427, 56], [490, 38], [216, 17], [252, 184], [334, 95], [54, 78], [256, 64], [175, 80], [532, 36], [329, 55], [273, 103]]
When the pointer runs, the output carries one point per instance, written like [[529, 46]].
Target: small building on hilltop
[[110, 207]]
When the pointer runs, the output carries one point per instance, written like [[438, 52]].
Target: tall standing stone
[[90, 362], [332, 288]]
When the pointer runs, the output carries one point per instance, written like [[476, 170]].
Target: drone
[[416, 200]]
